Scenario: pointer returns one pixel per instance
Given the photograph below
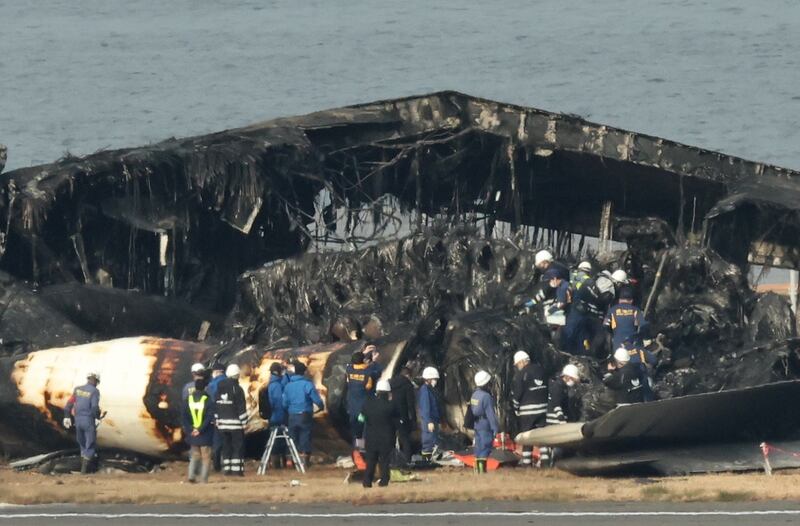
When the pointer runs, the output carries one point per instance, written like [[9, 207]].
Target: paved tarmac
[[445, 513]]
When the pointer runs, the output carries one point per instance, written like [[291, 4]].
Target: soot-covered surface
[[414, 217], [455, 294]]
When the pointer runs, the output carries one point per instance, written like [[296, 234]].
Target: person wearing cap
[[626, 321], [583, 333], [381, 419], [299, 398], [549, 269], [628, 326], [217, 376], [430, 412], [529, 398], [623, 379], [558, 406], [554, 292], [558, 390], [544, 261], [405, 398], [371, 355], [485, 424], [360, 385], [84, 406], [231, 417], [580, 275], [198, 373], [277, 417], [198, 431]]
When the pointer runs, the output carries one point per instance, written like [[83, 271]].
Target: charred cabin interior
[[412, 220], [185, 217]]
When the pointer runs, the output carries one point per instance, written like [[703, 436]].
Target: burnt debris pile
[[451, 292], [413, 221], [368, 292], [454, 295], [712, 331]]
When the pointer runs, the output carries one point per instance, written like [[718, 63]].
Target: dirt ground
[[327, 484]]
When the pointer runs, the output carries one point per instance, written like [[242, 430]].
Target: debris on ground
[[412, 223]]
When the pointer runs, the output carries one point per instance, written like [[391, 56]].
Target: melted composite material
[[411, 222]]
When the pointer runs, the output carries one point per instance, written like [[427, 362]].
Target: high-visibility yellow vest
[[196, 410]]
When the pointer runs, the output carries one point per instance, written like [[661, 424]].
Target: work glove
[[67, 422], [361, 418], [96, 422], [431, 427]]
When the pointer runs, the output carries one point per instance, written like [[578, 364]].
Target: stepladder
[[280, 433]]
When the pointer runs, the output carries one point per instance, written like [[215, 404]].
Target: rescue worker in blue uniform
[[627, 325], [626, 322], [529, 398], [230, 412], [485, 420], [278, 416], [623, 379], [580, 275], [430, 414], [544, 261], [299, 398], [198, 431], [84, 406], [554, 282], [198, 373], [360, 386], [217, 376], [558, 407], [558, 390], [583, 333], [371, 355]]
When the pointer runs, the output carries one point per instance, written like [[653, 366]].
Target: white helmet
[[521, 356], [198, 368], [482, 378], [621, 355], [619, 276], [430, 373], [604, 283], [542, 256], [571, 371], [93, 374], [232, 371], [383, 386], [585, 266]]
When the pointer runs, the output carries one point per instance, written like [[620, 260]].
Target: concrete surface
[[494, 513]]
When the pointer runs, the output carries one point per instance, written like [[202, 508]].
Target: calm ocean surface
[[83, 75]]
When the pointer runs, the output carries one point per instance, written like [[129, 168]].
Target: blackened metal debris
[[411, 222]]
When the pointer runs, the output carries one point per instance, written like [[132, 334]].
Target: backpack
[[264, 405]]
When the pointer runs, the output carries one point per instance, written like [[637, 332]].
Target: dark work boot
[[193, 465], [306, 460], [84, 466]]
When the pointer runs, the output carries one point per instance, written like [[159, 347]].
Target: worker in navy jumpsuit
[[429, 412], [627, 325], [626, 322], [84, 405], [486, 426], [360, 386]]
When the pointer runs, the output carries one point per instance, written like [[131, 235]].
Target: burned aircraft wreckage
[[411, 222]]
